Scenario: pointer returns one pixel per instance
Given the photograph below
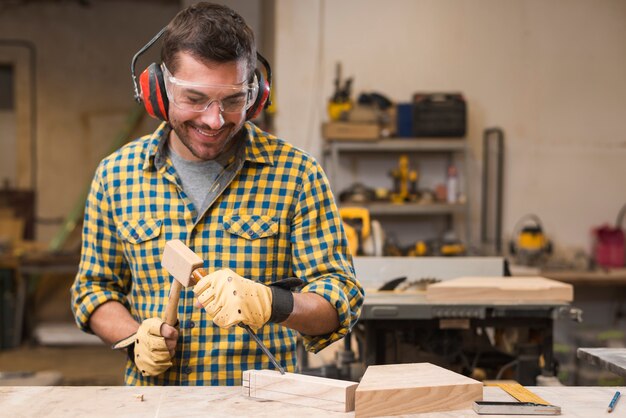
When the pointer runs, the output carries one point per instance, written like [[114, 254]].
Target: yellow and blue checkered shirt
[[276, 218]]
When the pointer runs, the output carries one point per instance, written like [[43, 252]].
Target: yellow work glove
[[230, 299], [147, 348]]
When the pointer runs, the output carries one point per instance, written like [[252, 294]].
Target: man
[[255, 208]]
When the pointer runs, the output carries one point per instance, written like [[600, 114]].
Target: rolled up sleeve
[[322, 258], [102, 275]]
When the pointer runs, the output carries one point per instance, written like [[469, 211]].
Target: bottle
[[452, 185]]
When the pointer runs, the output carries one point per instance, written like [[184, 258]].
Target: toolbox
[[439, 115]]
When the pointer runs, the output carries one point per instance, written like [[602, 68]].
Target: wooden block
[[180, 261], [397, 389], [500, 289], [299, 389], [351, 131]]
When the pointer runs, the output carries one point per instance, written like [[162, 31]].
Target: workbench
[[158, 402], [387, 312]]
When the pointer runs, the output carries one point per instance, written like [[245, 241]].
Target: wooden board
[[397, 389], [496, 289], [299, 389]]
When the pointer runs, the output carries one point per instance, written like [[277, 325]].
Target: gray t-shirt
[[197, 177]]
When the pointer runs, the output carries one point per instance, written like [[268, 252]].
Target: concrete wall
[[552, 74]]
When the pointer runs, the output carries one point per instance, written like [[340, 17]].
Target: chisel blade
[[263, 347]]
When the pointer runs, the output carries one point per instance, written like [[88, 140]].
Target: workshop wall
[[84, 91], [551, 74]]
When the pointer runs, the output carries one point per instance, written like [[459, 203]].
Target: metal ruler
[[514, 408]]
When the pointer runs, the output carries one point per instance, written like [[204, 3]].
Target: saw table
[[457, 332], [455, 335]]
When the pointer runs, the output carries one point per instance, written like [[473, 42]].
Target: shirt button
[[135, 235], [187, 370], [191, 324]]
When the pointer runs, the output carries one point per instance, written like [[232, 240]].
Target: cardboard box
[[346, 131]]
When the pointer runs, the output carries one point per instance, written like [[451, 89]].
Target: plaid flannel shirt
[[276, 218]]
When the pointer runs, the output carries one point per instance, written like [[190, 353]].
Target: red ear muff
[[153, 94], [261, 98]]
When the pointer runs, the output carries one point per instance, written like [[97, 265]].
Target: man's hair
[[210, 33]]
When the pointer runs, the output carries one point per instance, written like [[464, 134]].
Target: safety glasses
[[196, 97]]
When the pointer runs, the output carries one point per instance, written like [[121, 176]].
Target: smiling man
[[255, 208]]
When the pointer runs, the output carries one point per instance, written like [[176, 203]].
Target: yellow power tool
[[365, 236]]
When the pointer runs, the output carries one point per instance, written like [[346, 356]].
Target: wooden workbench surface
[[121, 401]]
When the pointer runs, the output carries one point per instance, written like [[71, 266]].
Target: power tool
[[365, 236], [405, 181], [529, 245]]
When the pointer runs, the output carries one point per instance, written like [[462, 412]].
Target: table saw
[[497, 339]]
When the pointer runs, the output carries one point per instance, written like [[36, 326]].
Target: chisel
[[263, 347]]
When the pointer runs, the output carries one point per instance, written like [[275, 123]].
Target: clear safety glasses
[[196, 97]]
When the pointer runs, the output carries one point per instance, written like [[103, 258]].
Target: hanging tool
[[340, 103]]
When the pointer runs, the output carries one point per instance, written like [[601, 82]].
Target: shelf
[[384, 208], [401, 145], [448, 150]]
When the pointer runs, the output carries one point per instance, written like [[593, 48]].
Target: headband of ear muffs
[[151, 87]]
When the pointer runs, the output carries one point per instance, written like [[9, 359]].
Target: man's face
[[202, 136]]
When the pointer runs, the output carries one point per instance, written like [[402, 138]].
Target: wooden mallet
[[186, 268]]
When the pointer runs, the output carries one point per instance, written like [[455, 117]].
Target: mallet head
[[180, 261]]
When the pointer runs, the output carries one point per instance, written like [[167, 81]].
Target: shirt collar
[[257, 146]]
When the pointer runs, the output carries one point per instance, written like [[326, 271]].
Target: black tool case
[[439, 115]]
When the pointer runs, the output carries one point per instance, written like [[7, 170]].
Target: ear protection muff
[[150, 90], [262, 100]]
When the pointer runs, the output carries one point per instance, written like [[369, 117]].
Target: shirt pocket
[[136, 231], [252, 226], [143, 251], [253, 244]]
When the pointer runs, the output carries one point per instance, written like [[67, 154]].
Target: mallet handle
[[171, 310]]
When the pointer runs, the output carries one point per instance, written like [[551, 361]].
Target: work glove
[[230, 299], [148, 348]]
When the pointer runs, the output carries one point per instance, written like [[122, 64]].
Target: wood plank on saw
[[500, 289]]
